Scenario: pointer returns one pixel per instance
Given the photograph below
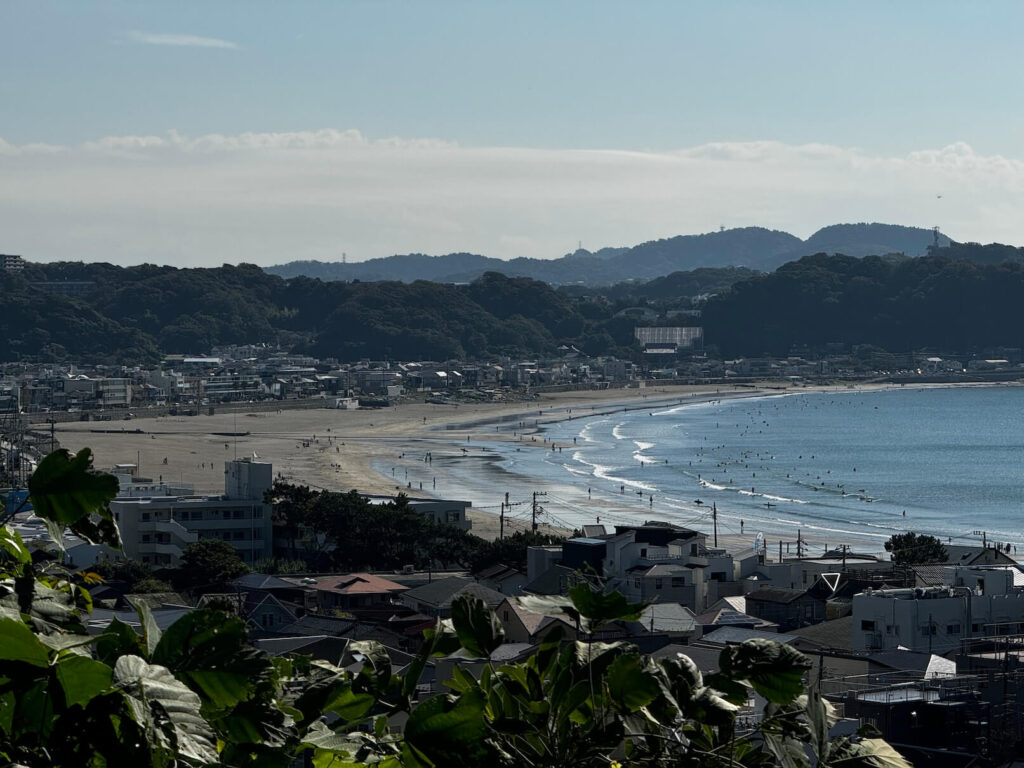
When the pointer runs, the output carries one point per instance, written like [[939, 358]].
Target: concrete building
[[156, 529], [977, 602], [11, 263]]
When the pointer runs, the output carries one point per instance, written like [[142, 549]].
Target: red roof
[[358, 584]]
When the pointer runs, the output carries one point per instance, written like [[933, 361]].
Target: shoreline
[[385, 451]]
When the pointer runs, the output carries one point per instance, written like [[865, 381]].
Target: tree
[[208, 565], [912, 549]]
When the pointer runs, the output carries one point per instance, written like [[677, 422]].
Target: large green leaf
[[376, 671], [630, 684], [775, 671], [82, 679], [598, 607], [446, 730], [66, 492], [864, 753], [167, 709], [11, 543], [118, 639], [150, 631], [478, 628], [211, 652], [18, 643]]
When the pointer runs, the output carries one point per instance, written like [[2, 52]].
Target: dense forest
[[963, 299], [901, 305]]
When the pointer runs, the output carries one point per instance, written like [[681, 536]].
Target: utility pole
[[799, 544], [535, 508], [984, 538], [714, 518], [501, 525]]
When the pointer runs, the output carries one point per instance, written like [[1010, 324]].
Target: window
[[867, 626], [146, 538], [145, 517], [257, 533], [657, 583], [952, 629], [678, 581], [257, 513], [239, 536], [238, 514], [643, 552]]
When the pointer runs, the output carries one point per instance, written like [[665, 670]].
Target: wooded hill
[[752, 247], [135, 315]]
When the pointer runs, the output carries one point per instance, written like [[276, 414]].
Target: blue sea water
[[842, 467]]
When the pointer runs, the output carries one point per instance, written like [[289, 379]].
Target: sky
[[202, 133]]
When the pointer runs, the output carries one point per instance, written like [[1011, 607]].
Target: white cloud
[[182, 41], [273, 197]]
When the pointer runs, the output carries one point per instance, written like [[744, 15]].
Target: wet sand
[[338, 450]]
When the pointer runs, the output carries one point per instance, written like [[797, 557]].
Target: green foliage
[[896, 305], [914, 548], [345, 532], [208, 565], [66, 492]]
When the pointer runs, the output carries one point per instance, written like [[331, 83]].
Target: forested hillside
[[135, 315], [901, 305]]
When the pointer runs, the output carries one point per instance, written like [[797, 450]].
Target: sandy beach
[[344, 449]]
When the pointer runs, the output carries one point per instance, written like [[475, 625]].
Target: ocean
[[841, 467]]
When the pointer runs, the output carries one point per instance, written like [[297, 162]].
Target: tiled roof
[[262, 581], [358, 584], [667, 617], [836, 634], [441, 593], [775, 595], [726, 635]]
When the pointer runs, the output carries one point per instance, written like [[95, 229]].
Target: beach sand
[[338, 450]]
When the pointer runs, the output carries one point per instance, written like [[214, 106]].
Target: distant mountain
[[752, 247]]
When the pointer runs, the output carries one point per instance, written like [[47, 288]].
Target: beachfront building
[[156, 529], [441, 511], [974, 603]]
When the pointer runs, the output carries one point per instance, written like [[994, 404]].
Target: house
[[967, 555], [789, 608], [356, 591], [662, 624], [435, 598], [522, 625], [502, 578], [729, 617], [261, 611]]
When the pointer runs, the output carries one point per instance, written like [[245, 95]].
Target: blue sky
[[194, 133]]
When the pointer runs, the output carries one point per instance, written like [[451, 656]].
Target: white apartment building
[[155, 529], [979, 602]]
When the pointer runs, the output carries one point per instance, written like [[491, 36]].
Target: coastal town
[[922, 649]]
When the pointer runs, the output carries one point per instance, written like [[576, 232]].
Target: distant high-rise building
[[11, 263]]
